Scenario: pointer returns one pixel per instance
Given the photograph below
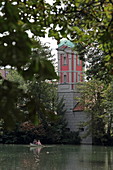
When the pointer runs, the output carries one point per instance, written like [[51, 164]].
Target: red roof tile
[[78, 107]]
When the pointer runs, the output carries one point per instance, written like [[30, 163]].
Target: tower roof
[[66, 43]]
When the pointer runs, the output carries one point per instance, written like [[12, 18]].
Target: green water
[[56, 157]]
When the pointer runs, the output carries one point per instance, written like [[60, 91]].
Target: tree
[[39, 99], [19, 51], [97, 97], [18, 85], [108, 105], [14, 76], [91, 99]]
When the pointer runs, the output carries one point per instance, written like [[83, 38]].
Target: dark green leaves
[[15, 49], [9, 94], [21, 52]]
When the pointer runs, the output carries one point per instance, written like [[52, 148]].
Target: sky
[[49, 41], [52, 43]]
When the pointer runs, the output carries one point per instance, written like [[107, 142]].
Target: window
[[78, 77], [81, 129], [65, 60], [65, 78], [78, 61]]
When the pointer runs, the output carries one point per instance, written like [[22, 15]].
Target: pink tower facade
[[70, 67]]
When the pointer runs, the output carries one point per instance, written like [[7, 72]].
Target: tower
[[70, 70]]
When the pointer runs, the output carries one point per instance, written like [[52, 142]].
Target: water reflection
[[36, 151], [16, 157]]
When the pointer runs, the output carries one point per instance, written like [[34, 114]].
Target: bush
[[23, 134], [52, 134], [71, 138]]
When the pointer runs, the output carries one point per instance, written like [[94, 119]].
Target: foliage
[[19, 90], [48, 110], [1, 127], [97, 97], [24, 54], [56, 133], [92, 100], [39, 102], [9, 94], [14, 76], [108, 105], [89, 25]]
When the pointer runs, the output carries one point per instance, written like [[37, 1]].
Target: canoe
[[35, 145]]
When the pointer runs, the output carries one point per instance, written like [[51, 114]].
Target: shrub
[[52, 134]]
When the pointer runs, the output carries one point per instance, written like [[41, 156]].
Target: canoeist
[[37, 142]]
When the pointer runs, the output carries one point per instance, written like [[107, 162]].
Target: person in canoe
[[37, 142]]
